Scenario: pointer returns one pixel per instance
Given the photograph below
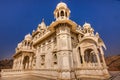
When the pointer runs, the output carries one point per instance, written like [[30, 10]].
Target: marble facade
[[63, 50]]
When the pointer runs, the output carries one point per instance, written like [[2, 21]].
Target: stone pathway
[[115, 75], [25, 78]]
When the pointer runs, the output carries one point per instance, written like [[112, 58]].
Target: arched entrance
[[90, 56], [26, 62]]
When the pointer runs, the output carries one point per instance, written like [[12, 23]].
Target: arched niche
[[62, 13], [88, 41], [54, 58], [90, 56], [26, 62]]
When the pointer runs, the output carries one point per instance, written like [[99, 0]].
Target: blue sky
[[20, 17]]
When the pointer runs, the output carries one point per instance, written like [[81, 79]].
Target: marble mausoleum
[[63, 50]]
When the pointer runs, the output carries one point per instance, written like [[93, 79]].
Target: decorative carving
[[49, 47], [74, 44], [62, 50]]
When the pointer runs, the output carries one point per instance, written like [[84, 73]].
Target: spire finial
[[61, 1], [42, 19], [85, 22]]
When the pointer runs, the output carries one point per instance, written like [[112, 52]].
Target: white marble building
[[63, 50]]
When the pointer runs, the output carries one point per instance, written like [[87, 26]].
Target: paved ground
[[115, 75], [25, 78]]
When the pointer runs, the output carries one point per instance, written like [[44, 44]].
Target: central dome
[[62, 11], [28, 37], [61, 4]]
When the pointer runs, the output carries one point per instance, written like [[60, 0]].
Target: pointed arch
[[57, 14], [90, 40], [62, 13], [26, 62], [90, 56]]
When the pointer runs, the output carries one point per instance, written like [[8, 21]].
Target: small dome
[[87, 25], [28, 37], [92, 29], [19, 45], [42, 25], [33, 31], [97, 34], [61, 4]]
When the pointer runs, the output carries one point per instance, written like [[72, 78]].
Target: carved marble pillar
[[19, 63], [65, 62], [27, 66], [30, 63], [37, 57], [102, 55], [14, 64], [76, 57], [98, 60], [83, 58]]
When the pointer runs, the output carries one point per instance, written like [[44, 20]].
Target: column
[[98, 59], [27, 65], [78, 63], [64, 13], [102, 53], [59, 15], [17, 64], [30, 63], [21, 65], [83, 59], [13, 64], [27, 44]]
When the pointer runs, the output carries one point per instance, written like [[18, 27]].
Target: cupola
[[61, 12], [88, 29], [28, 37], [42, 25]]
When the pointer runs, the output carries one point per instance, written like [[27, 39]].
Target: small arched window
[[66, 14], [58, 14], [28, 44], [26, 62], [25, 43], [90, 56], [55, 58], [62, 13]]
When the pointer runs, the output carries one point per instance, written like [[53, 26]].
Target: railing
[[15, 70], [24, 49], [18, 70], [10, 70], [49, 73], [39, 38]]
